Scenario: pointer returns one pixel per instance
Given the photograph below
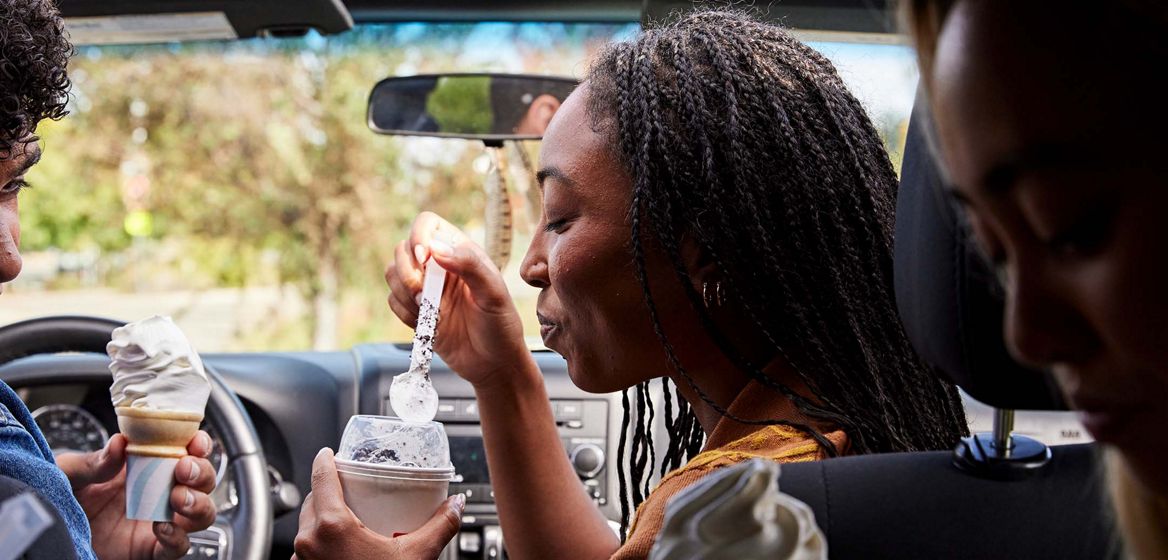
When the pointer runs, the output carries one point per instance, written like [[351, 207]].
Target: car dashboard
[[300, 402]]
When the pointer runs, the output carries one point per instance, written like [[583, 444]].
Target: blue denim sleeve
[[25, 456]]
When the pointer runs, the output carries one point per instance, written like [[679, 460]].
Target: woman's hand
[[329, 529], [480, 335], [99, 483]]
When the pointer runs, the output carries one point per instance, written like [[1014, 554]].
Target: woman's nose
[[534, 268], [1043, 324]]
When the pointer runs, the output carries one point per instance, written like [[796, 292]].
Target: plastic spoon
[[411, 394]]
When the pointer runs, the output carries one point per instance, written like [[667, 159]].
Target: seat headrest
[[947, 295]]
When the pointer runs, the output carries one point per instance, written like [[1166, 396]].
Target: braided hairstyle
[[34, 53], [747, 141]]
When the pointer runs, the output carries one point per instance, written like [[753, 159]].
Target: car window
[[236, 186]]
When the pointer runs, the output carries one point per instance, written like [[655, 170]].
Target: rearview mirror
[[491, 107]]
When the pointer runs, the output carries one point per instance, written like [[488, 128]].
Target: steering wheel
[[247, 528]]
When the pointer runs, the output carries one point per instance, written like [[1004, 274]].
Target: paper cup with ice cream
[[160, 391]]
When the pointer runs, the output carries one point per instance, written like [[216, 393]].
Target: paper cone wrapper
[[157, 440]]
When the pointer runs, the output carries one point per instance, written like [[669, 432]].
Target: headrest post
[[1000, 454], [1003, 425]]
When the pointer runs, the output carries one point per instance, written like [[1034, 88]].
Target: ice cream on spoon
[[412, 394]]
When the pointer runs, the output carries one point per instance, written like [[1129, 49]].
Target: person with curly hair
[[717, 214], [86, 490]]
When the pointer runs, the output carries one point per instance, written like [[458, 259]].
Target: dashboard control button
[[447, 410], [568, 410], [467, 410], [470, 542], [588, 460]]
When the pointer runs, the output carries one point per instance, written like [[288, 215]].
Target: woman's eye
[[1085, 237], [15, 187], [556, 226]]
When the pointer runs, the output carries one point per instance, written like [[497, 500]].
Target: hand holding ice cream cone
[[99, 484], [160, 391]]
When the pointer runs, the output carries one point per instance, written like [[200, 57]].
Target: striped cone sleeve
[[149, 481]]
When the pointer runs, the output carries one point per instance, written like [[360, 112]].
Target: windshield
[[236, 187]]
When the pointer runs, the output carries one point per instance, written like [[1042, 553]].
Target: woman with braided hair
[[718, 213]]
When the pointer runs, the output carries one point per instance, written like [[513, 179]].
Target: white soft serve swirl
[[739, 514], [155, 367]]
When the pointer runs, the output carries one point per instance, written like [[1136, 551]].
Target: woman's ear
[[697, 261]]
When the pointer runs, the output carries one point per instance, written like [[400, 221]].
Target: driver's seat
[[923, 505]]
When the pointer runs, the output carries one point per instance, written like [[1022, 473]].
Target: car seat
[[54, 543], [996, 495]]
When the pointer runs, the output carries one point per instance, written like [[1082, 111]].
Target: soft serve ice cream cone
[[159, 392]]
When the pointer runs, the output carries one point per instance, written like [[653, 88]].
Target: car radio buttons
[[588, 460]]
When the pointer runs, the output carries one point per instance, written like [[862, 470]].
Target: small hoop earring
[[713, 297]]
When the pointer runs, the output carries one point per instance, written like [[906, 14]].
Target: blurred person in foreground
[[86, 490], [1050, 121]]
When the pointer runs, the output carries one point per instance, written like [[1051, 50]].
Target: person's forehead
[[20, 156], [570, 140], [1006, 89], [569, 119]]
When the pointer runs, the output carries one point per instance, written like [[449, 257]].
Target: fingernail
[[441, 248], [189, 500], [458, 503], [418, 298], [322, 451], [166, 528], [419, 253], [207, 443], [194, 471]]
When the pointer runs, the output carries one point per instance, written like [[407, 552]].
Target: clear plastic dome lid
[[392, 442]]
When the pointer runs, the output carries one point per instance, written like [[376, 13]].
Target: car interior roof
[[332, 16]]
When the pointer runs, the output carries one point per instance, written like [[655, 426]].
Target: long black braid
[[745, 140]]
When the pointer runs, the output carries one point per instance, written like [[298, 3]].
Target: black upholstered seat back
[[948, 298], [918, 505]]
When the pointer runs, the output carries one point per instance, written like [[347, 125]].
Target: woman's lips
[[1103, 425], [547, 327], [1107, 422]]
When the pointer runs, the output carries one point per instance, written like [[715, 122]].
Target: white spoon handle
[[432, 284]]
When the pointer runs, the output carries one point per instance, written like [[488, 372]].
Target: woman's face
[[591, 307], [12, 169], [1054, 138]]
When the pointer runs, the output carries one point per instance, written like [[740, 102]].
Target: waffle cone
[[157, 433]]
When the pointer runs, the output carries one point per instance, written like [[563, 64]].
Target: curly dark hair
[[747, 141], [34, 54]]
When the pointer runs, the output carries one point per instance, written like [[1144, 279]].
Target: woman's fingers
[[426, 225], [409, 316], [193, 510], [405, 270], [470, 263], [402, 299], [173, 542], [429, 227], [196, 473], [427, 541]]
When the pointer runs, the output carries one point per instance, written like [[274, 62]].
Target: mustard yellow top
[[730, 443]]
